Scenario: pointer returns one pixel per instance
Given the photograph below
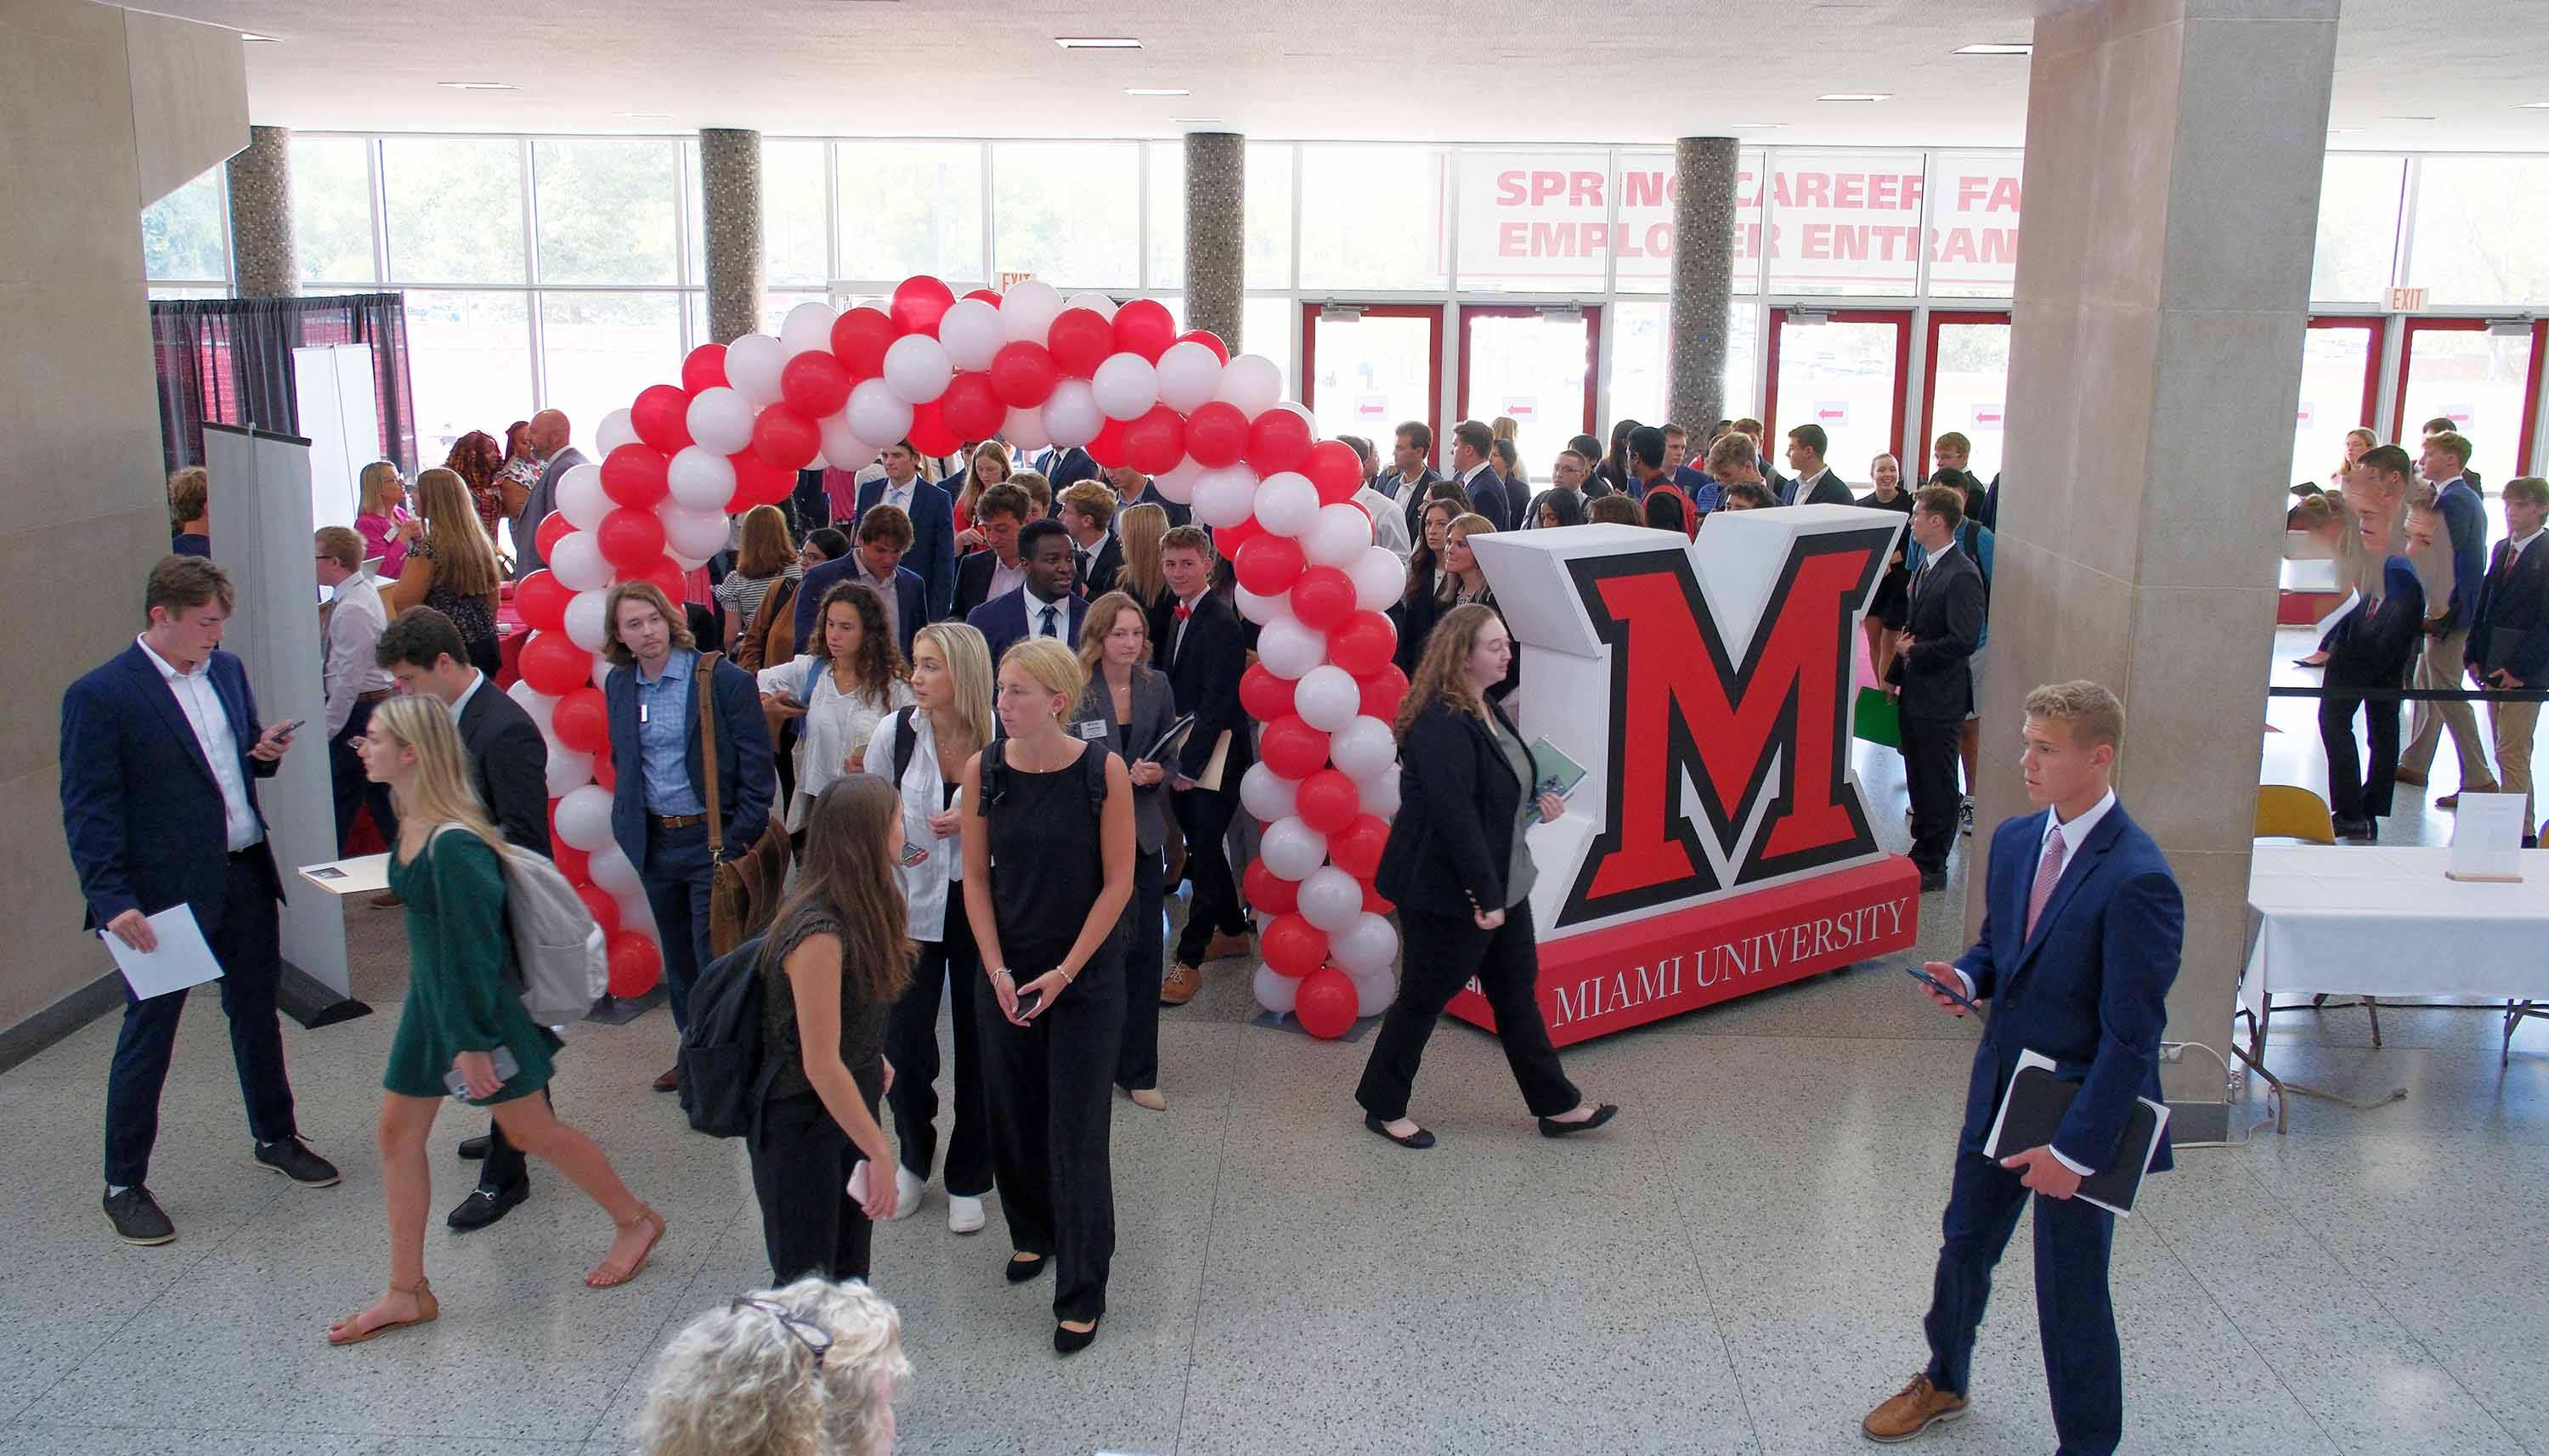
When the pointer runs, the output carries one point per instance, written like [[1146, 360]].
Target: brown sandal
[[428, 1309], [603, 1275]]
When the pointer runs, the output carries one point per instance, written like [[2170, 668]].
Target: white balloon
[[692, 532], [612, 872], [580, 498], [701, 479], [1105, 306], [1286, 503], [721, 419], [752, 365], [1363, 746], [1292, 849], [1027, 310], [1365, 943], [1024, 428], [1251, 381], [876, 413], [1261, 609], [1380, 792], [1071, 414], [584, 820], [808, 326], [1178, 486], [588, 613], [602, 671], [638, 914], [568, 771], [1289, 649], [1266, 794], [1303, 411], [1379, 578], [534, 703], [1276, 990], [1374, 989], [1331, 899], [1224, 497], [1125, 386], [972, 333], [616, 430], [916, 370], [1189, 374], [843, 447], [1338, 537], [689, 563], [577, 562], [1327, 697]]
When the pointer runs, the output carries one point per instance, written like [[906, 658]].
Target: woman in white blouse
[[851, 679]]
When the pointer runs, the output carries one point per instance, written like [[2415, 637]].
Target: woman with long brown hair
[[1422, 602], [766, 557], [987, 467], [478, 460], [840, 692], [839, 938], [451, 567], [1458, 870], [1139, 529]]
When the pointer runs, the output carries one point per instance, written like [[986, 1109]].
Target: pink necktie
[[2048, 871]]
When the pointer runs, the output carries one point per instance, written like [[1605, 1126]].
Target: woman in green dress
[[461, 1014]]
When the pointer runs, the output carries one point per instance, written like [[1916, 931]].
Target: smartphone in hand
[[1028, 1001], [1952, 993]]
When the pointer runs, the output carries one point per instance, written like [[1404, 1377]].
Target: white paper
[[2487, 836], [364, 874], [182, 959]]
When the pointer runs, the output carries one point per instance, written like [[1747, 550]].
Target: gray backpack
[[561, 963]]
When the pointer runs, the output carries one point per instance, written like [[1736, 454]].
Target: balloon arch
[[1033, 369]]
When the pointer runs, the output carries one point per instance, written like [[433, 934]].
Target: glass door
[[2341, 390], [2487, 383], [1966, 389], [1369, 368], [1844, 369], [1535, 367]]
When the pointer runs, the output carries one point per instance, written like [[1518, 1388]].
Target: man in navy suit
[[2079, 945], [1470, 443], [160, 754], [2509, 635], [876, 562], [1065, 469], [1045, 606], [933, 522]]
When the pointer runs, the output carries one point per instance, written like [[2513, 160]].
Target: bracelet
[[1001, 970]]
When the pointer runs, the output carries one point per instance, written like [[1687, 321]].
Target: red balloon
[[1226, 540], [634, 475], [1364, 644], [1325, 1003], [583, 723], [1293, 945], [1143, 327], [930, 433], [552, 664], [661, 415], [1081, 339], [667, 576], [1210, 341], [1323, 597], [604, 773], [636, 964], [1357, 851], [1291, 747], [704, 368], [859, 338], [1156, 442], [1328, 801], [541, 598], [604, 909], [1382, 691], [1024, 373], [919, 302], [1373, 902], [757, 482], [1268, 894], [986, 295], [553, 528], [973, 406], [785, 438], [1277, 440], [1217, 434], [1269, 566], [1335, 469], [814, 383], [571, 862], [630, 538], [1108, 448], [1265, 697]]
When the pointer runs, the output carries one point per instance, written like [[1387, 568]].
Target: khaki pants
[[2512, 723], [2439, 666]]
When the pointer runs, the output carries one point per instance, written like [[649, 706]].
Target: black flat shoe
[[484, 1206], [1420, 1140], [474, 1150], [1073, 1341], [1552, 1127], [1022, 1270]]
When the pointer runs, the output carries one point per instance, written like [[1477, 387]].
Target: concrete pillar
[[263, 253], [1217, 233], [2173, 158], [1703, 280], [730, 200]]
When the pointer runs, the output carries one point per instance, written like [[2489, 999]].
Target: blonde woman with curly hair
[[811, 1369]]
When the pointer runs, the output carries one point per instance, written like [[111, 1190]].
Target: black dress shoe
[[1022, 1270], [1073, 1341], [1552, 1127], [1420, 1140], [474, 1150], [293, 1159], [1932, 881], [484, 1206], [2360, 831], [137, 1217]]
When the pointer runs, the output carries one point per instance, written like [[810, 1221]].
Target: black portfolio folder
[[2032, 1111]]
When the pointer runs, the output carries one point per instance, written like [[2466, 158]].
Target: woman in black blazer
[[1460, 875], [1128, 707]]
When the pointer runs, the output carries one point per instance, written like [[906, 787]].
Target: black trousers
[[677, 878], [249, 945], [1137, 1062], [352, 788], [1052, 1112], [1442, 952], [1204, 816], [2075, 1316], [1930, 749], [801, 1176], [912, 1044], [2353, 793]]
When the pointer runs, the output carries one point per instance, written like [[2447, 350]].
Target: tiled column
[[1217, 234], [2173, 158], [262, 250], [1703, 279], [730, 204]]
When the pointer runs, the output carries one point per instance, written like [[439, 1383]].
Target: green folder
[[1876, 720]]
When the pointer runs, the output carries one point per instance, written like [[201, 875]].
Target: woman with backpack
[[1048, 870], [833, 964], [463, 1031]]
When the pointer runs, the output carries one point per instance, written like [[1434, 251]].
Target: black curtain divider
[[230, 360]]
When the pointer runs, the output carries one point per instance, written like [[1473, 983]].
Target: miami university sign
[[1719, 844]]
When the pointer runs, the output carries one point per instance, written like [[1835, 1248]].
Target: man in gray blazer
[[549, 436]]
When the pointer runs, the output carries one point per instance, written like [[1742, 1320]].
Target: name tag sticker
[[1093, 730]]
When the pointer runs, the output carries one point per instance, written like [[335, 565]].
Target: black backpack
[[723, 1063]]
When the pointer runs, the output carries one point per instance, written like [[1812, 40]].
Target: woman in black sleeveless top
[[1048, 870]]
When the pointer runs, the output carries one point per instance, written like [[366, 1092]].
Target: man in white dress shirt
[[354, 677]]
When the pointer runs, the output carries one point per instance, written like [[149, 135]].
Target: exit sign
[[2407, 301]]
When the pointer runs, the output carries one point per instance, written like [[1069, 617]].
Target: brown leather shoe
[[1225, 946], [1179, 985], [1914, 1410], [670, 1081]]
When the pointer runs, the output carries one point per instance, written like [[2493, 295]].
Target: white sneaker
[[964, 1215], [907, 1193]]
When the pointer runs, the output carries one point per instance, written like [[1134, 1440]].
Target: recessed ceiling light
[[2343, 131], [253, 36], [1759, 126], [2406, 119], [2535, 106], [1998, 47], [1097, 43], [1196, 121], [1856, 96], [479, 85], [1157, 91], [646, 116]]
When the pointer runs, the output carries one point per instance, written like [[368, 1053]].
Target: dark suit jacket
[[2372, 649], [1829, 489], [1946, 622], [139, 804], [911, 605], [1154, 710], [1069, 468], [1487, 497], [537, 502], [1004, 622], [745, 775], [1203, 676], [2467, 520], [508, 763], [1105, 564], [974, 571], [2088, 989], [2508, 602], [933, 540], [1459, 805], [1410, 497]]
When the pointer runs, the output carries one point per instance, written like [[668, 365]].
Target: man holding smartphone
[[160, 754]]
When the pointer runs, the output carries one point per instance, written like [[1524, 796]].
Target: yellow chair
[[2287, 812]]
